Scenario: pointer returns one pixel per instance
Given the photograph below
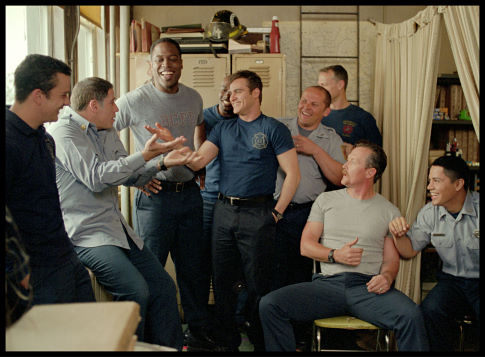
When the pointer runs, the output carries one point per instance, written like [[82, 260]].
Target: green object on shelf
[[464, 115]]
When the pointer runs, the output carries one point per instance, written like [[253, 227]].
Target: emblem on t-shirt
[[348, 127], [260, 141]]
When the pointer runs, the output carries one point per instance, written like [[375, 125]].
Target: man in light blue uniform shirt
[[451, 223], [90, 163]]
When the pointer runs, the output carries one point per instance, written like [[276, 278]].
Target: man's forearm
[[404, 247], [288, 189], [332, 169]]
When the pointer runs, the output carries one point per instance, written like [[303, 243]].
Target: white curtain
[[462, 26], [405, 86]]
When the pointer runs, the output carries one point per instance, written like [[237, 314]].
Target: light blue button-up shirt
[[457, 241], [90, 164]]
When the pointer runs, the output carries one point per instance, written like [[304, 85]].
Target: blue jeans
[[136, 275], [172, 222], [340, 294], [290, 266], [451, 298], [66, 282]]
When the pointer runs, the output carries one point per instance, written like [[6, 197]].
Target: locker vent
[[203, 77], [263, 72]]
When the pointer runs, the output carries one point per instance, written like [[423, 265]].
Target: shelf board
[[452, 122]]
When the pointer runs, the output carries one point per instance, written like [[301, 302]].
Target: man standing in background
[[351, 122], [171, 220]]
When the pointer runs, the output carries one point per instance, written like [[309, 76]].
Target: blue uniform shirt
[[212, 173], [353, 124], [247, 153], [31, 192], [457, 241]]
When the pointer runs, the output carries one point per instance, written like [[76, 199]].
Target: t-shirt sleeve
[[317, 213], [215, 134], [281, 139], [122, 118], [371, 130]]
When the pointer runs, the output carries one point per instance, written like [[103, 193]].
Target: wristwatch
[[277, 214], [161, 165], [330, 256]]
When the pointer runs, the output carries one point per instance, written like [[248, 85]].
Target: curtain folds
[[462, 25], [405, 86]]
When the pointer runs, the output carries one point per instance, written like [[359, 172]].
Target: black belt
[[250, 201], [176, 186], [293, 205]]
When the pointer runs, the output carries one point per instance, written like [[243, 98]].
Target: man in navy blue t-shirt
[[249, 149]]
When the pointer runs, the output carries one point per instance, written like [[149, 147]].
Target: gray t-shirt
[[180, 113], [344, 218]]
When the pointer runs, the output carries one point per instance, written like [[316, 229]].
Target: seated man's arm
[[310, 247], [382, 282], [289, 164], [398, 228]]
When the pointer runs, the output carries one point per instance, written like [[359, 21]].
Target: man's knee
[[267, 305]]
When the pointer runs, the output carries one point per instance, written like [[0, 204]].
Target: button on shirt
[[311, 182], [90, 164], [457, 241]]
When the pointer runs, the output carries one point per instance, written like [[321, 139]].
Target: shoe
[[199, 340]]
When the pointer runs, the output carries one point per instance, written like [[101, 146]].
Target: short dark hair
[[254, 81], [86, 90], [37, 72], [165, 39], [455, 168], [377, 160], [339, 72], [327, 98]]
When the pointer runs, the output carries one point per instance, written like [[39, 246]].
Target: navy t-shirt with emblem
[[247, 154], [353, 124]]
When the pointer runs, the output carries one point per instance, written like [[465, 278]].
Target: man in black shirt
[[42, 86]]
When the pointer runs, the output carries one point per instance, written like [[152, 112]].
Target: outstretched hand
[[154, 148], [348, 254], [162, 133], [180, 157]]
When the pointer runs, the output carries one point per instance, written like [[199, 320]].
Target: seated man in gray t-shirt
[[347, 232]]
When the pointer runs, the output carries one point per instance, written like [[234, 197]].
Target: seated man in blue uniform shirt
[[451, 222], [91, 162]]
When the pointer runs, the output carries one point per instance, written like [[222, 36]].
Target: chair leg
[[461, 342]]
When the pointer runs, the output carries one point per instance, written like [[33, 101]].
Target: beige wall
[[289, 16]]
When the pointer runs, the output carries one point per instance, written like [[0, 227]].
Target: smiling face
[[443, 191], [166, 67], [312, 108], [242, 99], [106, 111], [56, 98], [225, 106]]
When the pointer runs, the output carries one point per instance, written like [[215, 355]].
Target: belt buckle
[[179, 186], [233, 199]]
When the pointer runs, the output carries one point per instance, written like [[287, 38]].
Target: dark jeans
[[340, 294], [66, 282], [242, 246], [136, 275], [172, 222], [450, 299], [290, 266]]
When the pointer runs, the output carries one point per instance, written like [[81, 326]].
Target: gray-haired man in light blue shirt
[[451, 222], [90, 163]]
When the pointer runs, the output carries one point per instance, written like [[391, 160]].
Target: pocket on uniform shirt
[[472, 240], [439, 239]]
